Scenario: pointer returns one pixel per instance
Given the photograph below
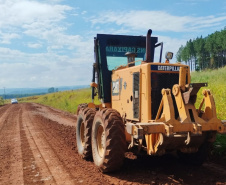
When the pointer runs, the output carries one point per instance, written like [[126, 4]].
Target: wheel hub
[[100, 141], [82, 134]]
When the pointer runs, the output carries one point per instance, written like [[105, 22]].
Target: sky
[[49, 43]]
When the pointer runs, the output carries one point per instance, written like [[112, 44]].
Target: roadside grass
[[66, 100], [2, 102], [216, 80]]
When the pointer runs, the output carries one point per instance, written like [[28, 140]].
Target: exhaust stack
[[148, 46]]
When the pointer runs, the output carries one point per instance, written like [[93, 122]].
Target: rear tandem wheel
[[81, 106], [83, 132]]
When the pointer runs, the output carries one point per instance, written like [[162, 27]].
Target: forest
[[204, 53]]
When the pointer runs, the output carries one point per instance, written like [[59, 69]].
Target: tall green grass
[[216, 80], [2, 102], [66, 100]]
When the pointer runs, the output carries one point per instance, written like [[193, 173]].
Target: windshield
[[116, 56]]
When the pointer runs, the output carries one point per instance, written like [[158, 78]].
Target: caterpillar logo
[[165, 68]]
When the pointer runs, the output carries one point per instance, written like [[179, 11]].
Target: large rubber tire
[[83, 132], [81, 106], [108, 140]]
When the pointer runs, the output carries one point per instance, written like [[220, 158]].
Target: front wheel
[[108, 140]]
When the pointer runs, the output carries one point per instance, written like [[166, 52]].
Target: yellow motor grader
[[145, 106]]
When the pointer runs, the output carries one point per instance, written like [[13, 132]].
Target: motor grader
[[145, 106]]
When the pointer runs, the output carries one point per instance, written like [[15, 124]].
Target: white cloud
[[66, 59], [40, 24], [24, 16], [40, 21], [19, 69], [17, 13], [84, 12], [5, 38], [34, 45], [157, 20]]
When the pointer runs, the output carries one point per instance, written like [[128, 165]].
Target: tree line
[[52, 90], [204, 53]]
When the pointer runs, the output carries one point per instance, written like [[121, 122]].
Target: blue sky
[[50, 43]]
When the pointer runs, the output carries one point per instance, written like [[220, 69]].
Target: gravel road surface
[[38, 146]]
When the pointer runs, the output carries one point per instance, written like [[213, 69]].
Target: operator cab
[[114, 52], [110, 53]]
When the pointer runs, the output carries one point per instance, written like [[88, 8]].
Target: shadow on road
[[168, 168]]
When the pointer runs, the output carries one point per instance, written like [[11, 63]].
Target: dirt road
[[38, 146]]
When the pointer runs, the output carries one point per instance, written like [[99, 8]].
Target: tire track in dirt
[[54, 114], [4, 113], [11, 168], [61, 138], [50, 172], [31, 170]]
